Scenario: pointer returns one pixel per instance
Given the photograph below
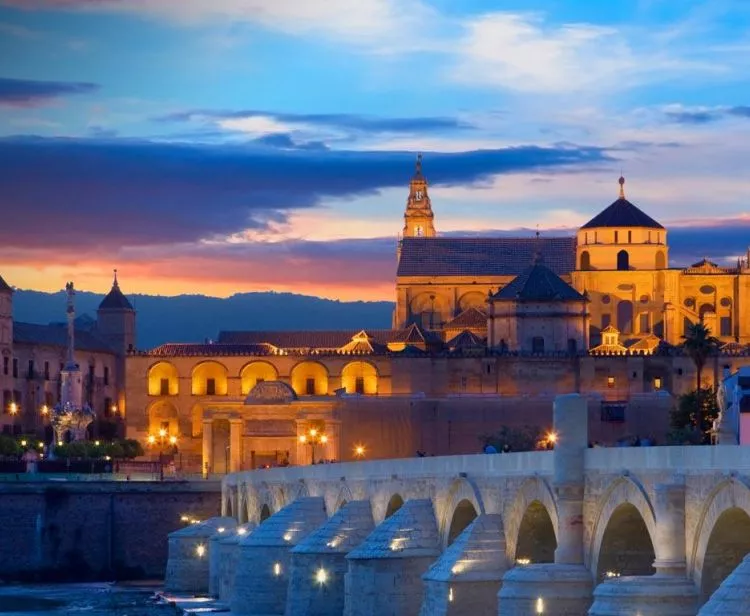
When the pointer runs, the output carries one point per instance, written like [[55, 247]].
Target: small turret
[[418, 218]]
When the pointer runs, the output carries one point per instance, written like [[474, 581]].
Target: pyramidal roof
[[289, 525], [5, 287], [115, 300], [411, 531], [466, 340], [622, 213], [343, 532], [538, 283], [477, 554], [732, 598]]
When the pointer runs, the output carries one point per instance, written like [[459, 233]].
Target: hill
[[194, 318]]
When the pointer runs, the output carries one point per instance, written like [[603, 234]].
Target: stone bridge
[[572, 531]]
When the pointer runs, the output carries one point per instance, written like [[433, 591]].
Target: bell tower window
[[418, 231], [623, 260]]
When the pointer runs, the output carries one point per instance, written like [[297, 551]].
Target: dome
[[622, 213]]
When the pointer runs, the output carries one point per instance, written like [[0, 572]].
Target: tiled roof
[[466, 340], [199, 350], [622, 213], [471, 318], [115, 300], [57, 335], [490, 256], [303, 339], [538, 283], [4, 286]]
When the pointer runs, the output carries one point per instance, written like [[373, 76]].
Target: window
[[107, 407], [537, 344], [625, 317], [49, 399], [46, 371], [359, 385], [106, 375], [572, 346], [623, 261], [15, 367], [657, 382], [30, 371], [725, 326], [617, 237], [606, 320], [7, 399], [6, 365], [613, 412], [585, 261], [630, 237], [586, 236], [164, 387], [489, 368], [645, 325], [91, 374], [210, 387], [310, 386], [610, 382]]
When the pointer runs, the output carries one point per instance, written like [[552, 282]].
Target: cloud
[[704, 115], [522, 52], [370, 23], [28, 93], [128, 192]]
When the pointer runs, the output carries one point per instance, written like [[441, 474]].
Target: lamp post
[[163, 439], [312, 438]]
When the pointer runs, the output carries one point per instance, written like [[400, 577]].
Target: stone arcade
[[653, 531]]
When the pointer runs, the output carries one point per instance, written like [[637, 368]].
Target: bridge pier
[[223, 561], [385, 572], [319, 565], [214, 558], [189, 554], [563, 588], [465, 579], [732, 598], [668, 592], [260, 585]]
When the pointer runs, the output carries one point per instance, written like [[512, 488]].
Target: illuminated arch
[[534, 492], [255, 372], [430, 310], [472, 299], [623, 490], [462, 490], [359, 377], [623, 260], [310, 378], [163, 379], [162, 414], [204, 373], [661, 260], [585, 264]]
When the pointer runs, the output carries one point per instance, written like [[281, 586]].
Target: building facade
[[486, 331], [34, 357]]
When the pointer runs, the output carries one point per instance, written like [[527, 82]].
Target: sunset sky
[[223, 146]]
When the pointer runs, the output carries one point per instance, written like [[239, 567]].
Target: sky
[[225, 146]]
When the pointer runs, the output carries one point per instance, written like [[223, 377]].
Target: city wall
[[95, 530]]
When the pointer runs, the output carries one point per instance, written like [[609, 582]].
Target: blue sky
[[236, 145]]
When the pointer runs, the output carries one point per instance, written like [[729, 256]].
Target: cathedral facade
[[485, 332]]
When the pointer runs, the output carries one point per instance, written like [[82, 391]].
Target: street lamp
[[359, 451], [312, 438]]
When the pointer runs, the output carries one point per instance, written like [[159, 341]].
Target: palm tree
[[699, 345]]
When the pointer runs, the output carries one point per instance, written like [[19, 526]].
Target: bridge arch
[[534, 498], [344, 496], [395, 502], [625, 503], [722, 535], [461, 505]]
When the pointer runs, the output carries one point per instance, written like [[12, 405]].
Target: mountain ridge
[[195, 318]]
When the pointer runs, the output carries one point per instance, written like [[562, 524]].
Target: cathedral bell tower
[[418, 218]]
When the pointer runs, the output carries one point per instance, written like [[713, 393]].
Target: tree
[[693, 417], [699, 344]]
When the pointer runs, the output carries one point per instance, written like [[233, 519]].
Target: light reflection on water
[[84, 599]]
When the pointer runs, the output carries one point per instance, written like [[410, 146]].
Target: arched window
[[585, 260], [625, 317], [706, 308], [661, 260], [623, 260]]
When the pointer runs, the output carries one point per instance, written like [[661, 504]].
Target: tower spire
[[115, 284], [70, 291], [621, 181], [418, 218]]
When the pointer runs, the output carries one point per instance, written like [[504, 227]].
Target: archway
[[220, 445], [623, 260], [209, 379], [473, 299], [256, 372], [359, 377], [265, 512], [585, 264], [661, 260], [429, 310], [728, 544], [625, 317], [394, 504], [310, 378], [536, 535], [626, 547], [706, 308], [163, 379], [163, 421], [464, 514]]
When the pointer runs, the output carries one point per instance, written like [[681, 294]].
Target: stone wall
[[95, 530]]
